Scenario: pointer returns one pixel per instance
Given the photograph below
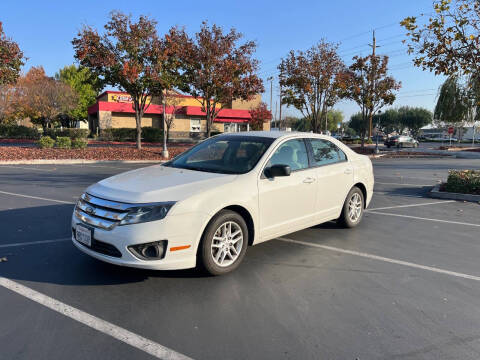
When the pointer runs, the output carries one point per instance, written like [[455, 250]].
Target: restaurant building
[[113, 109]]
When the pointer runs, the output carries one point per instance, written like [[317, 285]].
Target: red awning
[[225, 115]]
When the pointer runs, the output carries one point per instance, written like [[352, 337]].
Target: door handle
[[348, 171], [309, 180]]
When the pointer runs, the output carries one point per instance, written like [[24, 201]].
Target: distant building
[[113, 109]]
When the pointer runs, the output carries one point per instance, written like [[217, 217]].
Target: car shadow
[[60, 262]]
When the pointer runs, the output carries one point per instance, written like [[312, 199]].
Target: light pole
[[165, 150], [376, 134]]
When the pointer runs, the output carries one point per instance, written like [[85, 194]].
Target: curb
[[437, 194], [77, 162]]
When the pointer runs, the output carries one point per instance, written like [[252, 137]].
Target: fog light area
[[149, 251]]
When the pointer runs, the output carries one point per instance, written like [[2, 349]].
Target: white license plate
[[84, 235]]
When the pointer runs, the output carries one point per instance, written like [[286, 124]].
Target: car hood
[[157, 183]]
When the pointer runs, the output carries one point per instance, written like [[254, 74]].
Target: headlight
[[146, 213]]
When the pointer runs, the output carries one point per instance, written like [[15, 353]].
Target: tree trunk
[[138, 120], [209, 121]]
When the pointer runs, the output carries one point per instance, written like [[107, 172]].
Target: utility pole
[[373, 62], [271, 94], [280, 112]]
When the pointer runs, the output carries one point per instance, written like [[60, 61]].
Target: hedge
[[463, 181], [18, 132], [149, 134], [72, 133], [79, 143]]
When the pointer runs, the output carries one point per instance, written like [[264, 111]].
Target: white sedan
[[208, 204]]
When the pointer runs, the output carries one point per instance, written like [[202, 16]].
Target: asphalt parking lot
[[405, 284]]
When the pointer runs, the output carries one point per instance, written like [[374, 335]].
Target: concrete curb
[[77, 162], [437, 194]]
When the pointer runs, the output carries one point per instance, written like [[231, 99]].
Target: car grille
[[101, 213], [101, 247]]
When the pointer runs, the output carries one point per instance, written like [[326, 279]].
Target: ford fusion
[[207, 205]]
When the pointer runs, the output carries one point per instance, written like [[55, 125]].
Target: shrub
[[118, 134], [151, 134], [463, 181], [46, 142], [369, 141], [18, 132], [63, 142], [79, 143], [73, 133]]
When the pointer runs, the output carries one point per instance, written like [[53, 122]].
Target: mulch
[[12, 153]]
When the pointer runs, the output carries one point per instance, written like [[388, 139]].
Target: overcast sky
[[44, 30]]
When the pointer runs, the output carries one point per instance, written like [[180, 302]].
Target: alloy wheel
[[355, 207], [227, 243]]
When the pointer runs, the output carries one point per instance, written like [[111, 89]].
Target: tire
[[354, 198], [216, 238]]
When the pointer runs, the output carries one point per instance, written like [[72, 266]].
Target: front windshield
[[226, 154]]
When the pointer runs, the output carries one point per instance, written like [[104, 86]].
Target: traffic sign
[[450, 130]]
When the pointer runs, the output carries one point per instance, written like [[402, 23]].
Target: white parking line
[[36, 197], [411, 205], [418, 185], [117, 332], [24, 168], [384, 259], [422, 218], [34, 242]]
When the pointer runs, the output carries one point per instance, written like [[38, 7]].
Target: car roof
[[276, 134]]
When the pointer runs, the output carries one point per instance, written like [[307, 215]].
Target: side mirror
[[277, 170]]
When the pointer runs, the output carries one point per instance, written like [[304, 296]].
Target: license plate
[[84, 235]]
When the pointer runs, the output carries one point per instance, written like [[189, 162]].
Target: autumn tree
[[259, 115], [216, 68], [310, 81], [173, 104], [368, 84], [448, 43], [43, 99], [11, 59], [131, 56], [86, 86]]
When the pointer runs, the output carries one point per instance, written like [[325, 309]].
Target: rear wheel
[[224, 243], [352, 212]]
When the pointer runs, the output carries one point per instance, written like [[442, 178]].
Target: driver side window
[[292, 153]]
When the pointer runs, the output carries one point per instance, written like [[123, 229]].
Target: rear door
[[334, 177]]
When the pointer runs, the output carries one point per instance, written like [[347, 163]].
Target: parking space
[[403, 285]]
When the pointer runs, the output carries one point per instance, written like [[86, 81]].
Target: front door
[[286, 203]]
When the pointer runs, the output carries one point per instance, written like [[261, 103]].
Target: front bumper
[[179, 230]]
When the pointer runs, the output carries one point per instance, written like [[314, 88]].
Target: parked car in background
[[208, 204], [401, 141], [380, 138]]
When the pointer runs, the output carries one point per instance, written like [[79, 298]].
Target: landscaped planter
[[437, 194]]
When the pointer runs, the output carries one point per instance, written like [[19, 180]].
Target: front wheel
[[224, 243], [353, 207]]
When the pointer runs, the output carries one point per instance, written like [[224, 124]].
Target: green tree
[[414, 118], [358, 124], [129, 55], [451, 107], [87, 87], [334, 117]]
